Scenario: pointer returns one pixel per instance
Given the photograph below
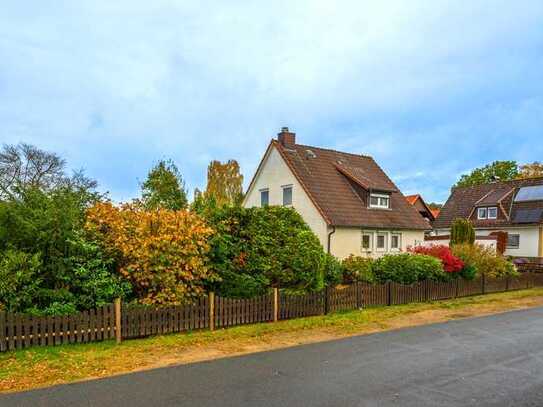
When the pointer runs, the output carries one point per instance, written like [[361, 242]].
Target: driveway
[[489, 361]]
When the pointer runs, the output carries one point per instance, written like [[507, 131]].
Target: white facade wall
[[346, 241], [493, 244], [528, 243], [274, 174]]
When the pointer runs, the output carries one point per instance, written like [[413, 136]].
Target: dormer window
[[487, 213], [380, 201], [492, 213]]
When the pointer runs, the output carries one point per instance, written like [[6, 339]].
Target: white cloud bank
[[426, 87]]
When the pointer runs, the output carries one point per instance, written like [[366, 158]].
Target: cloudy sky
[[431, 89]]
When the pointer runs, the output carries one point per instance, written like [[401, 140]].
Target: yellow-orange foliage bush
[[161, 252]]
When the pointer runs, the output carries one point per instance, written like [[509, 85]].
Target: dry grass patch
[[39, 367]]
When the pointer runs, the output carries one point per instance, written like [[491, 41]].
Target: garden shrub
[[19, 281], [485, 260], [333, 271], [451, 263], [263, 247], [161, 252], [357, 268], [406, 268], [468, 272], [58, 269]]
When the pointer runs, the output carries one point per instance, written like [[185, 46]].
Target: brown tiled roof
[[338, 184], [462, 203]]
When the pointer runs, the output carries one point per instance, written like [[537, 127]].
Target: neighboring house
[[346, 199], [515, 207], [426, 212]]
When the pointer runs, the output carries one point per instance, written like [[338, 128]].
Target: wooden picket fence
[[18, 331]]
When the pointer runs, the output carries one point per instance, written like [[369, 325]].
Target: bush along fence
[[116, 321]]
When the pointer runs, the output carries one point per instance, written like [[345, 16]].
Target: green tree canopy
[[164, 188], [498, 170], [254, 249]]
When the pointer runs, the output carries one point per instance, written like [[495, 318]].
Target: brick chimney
[[285, 137]]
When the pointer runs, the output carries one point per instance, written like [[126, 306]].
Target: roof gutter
[[330, 237]]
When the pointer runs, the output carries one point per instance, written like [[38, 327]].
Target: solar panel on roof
[[528, 215], [534, 193]]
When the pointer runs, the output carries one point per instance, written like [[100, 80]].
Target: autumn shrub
[[161, 252], [485, 260], [451, 263], [358, 269], [260, 248], [407, 268]]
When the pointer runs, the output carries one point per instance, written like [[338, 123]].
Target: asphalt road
[[490, 361]]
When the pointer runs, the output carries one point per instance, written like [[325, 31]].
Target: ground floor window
[[395, 241], [381, 242], [367, 239], [513, 241]]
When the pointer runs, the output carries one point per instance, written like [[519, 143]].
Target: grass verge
[[40, 367]]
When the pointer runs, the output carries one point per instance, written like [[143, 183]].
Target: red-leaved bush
[[451, 263]]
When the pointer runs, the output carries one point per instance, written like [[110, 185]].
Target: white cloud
[[428, 87]]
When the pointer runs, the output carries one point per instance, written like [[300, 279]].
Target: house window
[[379, 201], [482, 213], [513, 241], [395, 241], [367, 241], [492, 213], [381, 242], [264, 197], [287, 195]]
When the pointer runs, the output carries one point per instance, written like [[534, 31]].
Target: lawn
[[39, 367]]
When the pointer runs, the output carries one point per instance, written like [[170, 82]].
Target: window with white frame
[[264, 197], [287, 195], [513, 241], [492, 213], [482, 213], [395, 241], [367, 241], [381, 201], [381, 241]]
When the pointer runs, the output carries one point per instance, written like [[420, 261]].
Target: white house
[[514, 207], [346, 199]]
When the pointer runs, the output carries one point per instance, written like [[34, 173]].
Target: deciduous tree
[[532, 170], [164, 188], [497, 171], [224, 183]]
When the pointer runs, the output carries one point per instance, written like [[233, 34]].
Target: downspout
[[330, 237]]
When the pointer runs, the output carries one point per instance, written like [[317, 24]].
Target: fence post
[[118, 320], [275, 304], [456, 291], [211, 311], [507, 283]]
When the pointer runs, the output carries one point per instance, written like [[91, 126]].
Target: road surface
[[489, 361]]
